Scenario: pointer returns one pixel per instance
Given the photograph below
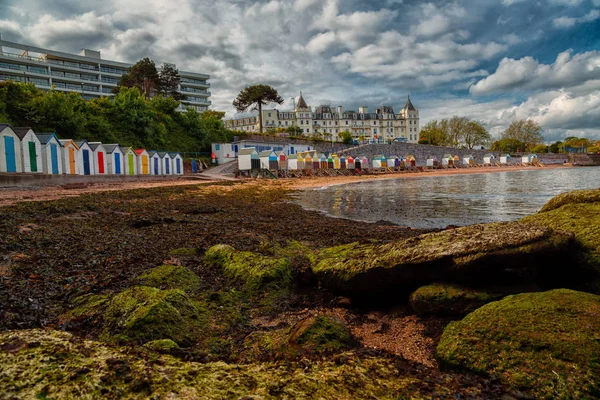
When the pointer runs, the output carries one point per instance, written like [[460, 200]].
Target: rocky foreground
[[231, 292]]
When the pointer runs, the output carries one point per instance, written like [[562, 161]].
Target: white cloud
[[321, 42], [567, 22], [527, 73]]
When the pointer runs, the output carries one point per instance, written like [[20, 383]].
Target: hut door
[[32, 157], [86, 162], [118, 163], [167, 165], [178, 163], [71, 161], [131, 164], [156, 166], [9, 150], [54, 157], [100, 162], [145, 165]]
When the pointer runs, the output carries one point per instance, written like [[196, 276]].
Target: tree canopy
[[254, 98], [455, 132], [144, 76], [526, 131]]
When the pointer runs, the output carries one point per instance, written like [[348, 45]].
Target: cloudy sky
[[491, 60]]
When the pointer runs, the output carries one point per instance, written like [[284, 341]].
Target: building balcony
[[188, 82]]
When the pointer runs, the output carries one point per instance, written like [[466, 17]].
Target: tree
[[525, 131], [508, 145], [475, 134], [254, 98], [219, 115], [434, 133], [169, 81], [142, 75], [346, 137], [539, 148]]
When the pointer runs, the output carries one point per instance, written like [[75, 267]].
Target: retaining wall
[[37, 180]]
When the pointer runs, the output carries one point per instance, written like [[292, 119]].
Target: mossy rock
[[573, 197], [142, 314], [545, 344], [88, 308], [322, 334], [254, 270], [162, 345], [183, 252], [445, 299], [498, 253], [170, 277]]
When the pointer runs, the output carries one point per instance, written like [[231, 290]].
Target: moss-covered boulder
[[170, 277], [545, 344], [142, 314], [447, 299], [498, 253], [573, 197], [162, 345], [254, 270], [183, 252], [87, 309]]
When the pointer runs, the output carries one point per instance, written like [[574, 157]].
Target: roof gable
[[46, 138], [21, 131]]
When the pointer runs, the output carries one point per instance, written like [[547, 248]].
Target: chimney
[[339, 111], [363, 110]]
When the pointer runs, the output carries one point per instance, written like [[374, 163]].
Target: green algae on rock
[[447, 299], [497, 253], [322, 334], [573, 197], [87, 308], [170, 277], [545, 344], [143, 314], [254, 270], [162, 345], [183, 252], [55, 364]]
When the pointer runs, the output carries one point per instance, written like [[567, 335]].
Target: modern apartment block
[[382, 125], [84, 73]]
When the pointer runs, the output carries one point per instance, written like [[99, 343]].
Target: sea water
[[439, 201]]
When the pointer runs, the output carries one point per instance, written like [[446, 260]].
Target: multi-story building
[[84, 73], [383, 125]]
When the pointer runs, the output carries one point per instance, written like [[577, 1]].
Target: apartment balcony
[[202, 102], [188, 82]]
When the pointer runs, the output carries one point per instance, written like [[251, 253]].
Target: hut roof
[[506, 155], [4, 126], [163, 154], [21, 131], [94, 145], [410, 157], [448, 156], [247, 151], [432, 157], [266, 153], [174, 154], [490, 155], [111, 148], [139, 151], [293, 157], [125, 149], [80, 143], [468, 156], [151, 153], [47, 137]]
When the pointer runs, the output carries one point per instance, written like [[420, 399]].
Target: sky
[[490, 60]]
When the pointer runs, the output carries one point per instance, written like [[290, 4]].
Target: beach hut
[[165, 163], [11, 158], [391, 161], [308, 160], [342, 162], [400, 162], [379, 161], [489, 159], [51, 153], [114, 159], [317, 161], [529, 159], [283, 160], [86, 157], [143, 162], [129, 161], [31, 150], [98, 157], [264, 158], [155, 163], [245, 158], [350, 162], [324, 163], [448, 160], [411, 160], [505, 159], [176, 163], [301, 163], [194, 165], [71, 157], [292, 162], [330, 164], [468, 160], [432, 161], [337, 163]]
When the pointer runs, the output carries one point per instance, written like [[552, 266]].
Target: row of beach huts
[[249, 159], [24, 151]]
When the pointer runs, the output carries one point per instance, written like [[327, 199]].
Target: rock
[[544, 344], [445, 299], [141, 314], [498, 253], [254, 270], [162, 345], [183, 252], [573, 197], [88, 309], [170, 277]]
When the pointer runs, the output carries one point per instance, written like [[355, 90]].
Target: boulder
[[446, 299], [142, 314], [573, 197], [170, 277], [485, 254], [162, 345], [547, 344]]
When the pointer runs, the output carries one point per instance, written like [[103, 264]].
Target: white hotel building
[[84, 73], [382, 125]]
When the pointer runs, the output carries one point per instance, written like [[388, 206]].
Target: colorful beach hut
[[529, 159], [330, 164], [432, 161], [283, 160], [114, 159], [448, 160], [505, 159], [343, 162], [51, 154], [379, 161], [245, 157], [264, 158], [176, 163], [468, 160], [11, 158], [98, 157], [301, 163], [489, 159], [31, 150], [71, 157], [165, 163], [350, 162], [143, 162], [323, 163], [87, 157], [391, 161], [411, 160], [292, 162], [317, 161], [308, 160], [155, 163], [400, 162], [129, 161]]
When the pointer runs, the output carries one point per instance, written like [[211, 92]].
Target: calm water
[[435, 202]]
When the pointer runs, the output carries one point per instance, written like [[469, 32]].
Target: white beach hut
[[31, 150], [165, 163], [448, 160], [292, 162], [11, 158], [489, 159], [98, 157], [71, 157], [432, 161], [505, 159], [264, 158], [51, 154], [468, 160], [87, 158], [245, 157], [529, 159], [114, 159], [176, 163], [129, 161], [155, 163], [143, 161]]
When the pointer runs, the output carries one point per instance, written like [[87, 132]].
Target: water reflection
[[434, 202]]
